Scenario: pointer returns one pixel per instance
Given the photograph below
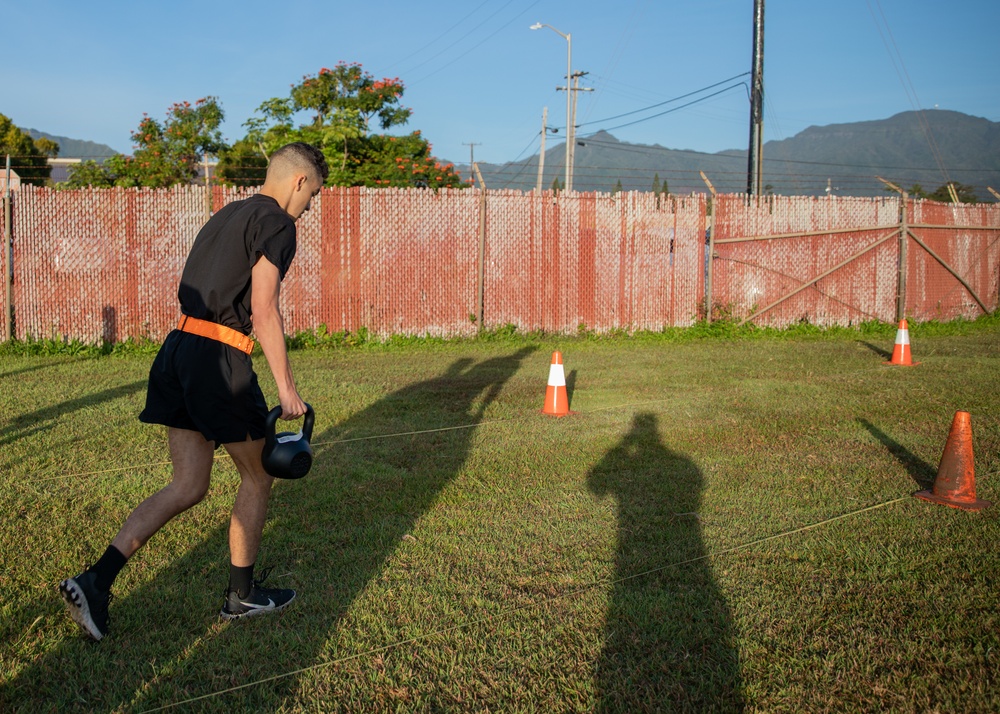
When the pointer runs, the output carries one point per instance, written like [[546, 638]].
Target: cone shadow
[[887, 354], [570, 386], [920, 471]]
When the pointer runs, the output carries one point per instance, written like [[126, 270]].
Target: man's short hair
[[300, 155]]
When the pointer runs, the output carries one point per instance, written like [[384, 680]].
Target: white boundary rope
[[511, 610]]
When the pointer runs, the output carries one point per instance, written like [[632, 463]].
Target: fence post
[[8, 249], [904, 233], [711, 251], [481, 259]]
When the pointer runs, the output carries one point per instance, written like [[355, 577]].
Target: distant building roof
[[15, 180], [60, 169]]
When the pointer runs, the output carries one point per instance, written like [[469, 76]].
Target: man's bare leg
[[87, 595], [250, 508], [245, 596], [192, 457]]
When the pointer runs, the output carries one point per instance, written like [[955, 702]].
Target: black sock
[[107, 568], [240, 579]]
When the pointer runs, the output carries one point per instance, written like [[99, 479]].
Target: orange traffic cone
[[556, 400], [901, 350], [955, 484]]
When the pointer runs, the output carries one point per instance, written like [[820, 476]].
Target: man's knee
[[189, 494]]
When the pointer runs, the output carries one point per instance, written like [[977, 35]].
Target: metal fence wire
[[103, 265]]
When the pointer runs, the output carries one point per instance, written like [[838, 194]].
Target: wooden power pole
[[755, 156]]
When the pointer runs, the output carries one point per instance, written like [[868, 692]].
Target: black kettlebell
[[287, 454]]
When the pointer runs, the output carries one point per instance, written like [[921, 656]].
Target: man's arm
[[270, 332]]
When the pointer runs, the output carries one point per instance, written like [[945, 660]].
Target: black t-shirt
[[215, 284]]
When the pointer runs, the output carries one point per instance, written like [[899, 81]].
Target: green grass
[[694, 538]]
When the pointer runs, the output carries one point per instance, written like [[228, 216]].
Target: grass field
[[723, 525]]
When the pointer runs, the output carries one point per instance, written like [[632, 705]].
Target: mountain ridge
[[929, 148], [75, 148]]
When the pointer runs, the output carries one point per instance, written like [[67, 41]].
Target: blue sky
[[475, 73]]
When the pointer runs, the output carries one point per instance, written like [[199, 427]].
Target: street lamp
[[570, 129]]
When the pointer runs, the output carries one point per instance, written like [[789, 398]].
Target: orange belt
[[215, 331]]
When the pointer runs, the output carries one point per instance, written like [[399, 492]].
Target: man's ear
[[300, 181]]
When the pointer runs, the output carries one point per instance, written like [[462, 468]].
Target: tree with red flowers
[[341, 104]]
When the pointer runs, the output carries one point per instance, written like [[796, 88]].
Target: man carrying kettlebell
[[203, 388]]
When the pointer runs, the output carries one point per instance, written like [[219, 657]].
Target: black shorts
[[203, 385]]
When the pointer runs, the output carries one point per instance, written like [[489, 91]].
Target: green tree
[[656, 184], [242, 164], [557, 185], [966, 194], [664, 188], [28, 157], [343, 104], [618, 187], [166, 153]]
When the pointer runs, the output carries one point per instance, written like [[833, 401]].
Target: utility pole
[[572, 128], [570, 134], [569, 83], [472, 157], [755, 156], [541, 154]]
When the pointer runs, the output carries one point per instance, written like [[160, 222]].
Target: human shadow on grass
[[922, 473], [47, 364], [328, 535], [24, 425], [669, 642]]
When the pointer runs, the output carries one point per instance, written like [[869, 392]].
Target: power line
[[642, 149], [908, 88], [476, 46], [668, 101], [675, 109], [439, 37]]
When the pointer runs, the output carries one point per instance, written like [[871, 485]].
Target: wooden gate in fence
[[776, 260]]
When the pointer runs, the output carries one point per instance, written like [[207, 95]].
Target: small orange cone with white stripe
[[901, 350], [955, 484], [556, 399]]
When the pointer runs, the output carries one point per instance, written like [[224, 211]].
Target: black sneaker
[[259, 601], [88, 605]]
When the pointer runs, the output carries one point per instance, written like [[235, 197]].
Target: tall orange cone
[[556, 400], [955, 484], [901, 350]]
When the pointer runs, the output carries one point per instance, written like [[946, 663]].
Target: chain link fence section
[[103, 265], [564, 262], [391, 261], [100, 265]]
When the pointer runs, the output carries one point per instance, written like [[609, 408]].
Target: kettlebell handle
[[272, 420]]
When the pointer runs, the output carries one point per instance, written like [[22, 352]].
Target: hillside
[[75, 148], [847, 157]]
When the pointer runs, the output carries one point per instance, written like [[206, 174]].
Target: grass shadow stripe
[[583, 589]]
